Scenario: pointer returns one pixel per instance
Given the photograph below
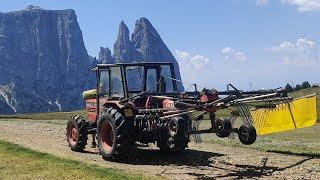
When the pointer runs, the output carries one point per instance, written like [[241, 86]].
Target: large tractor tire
[[177, 137], [77, 135], [114, 135]]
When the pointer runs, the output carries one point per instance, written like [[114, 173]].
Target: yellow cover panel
[[299, 113]]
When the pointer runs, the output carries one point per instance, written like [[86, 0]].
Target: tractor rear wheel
[[177, 137], [77, 133], [114, 136]]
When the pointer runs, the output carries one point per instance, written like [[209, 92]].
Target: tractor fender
[[115, 104], [126, 111]]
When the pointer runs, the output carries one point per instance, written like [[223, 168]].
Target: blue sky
[[251, 43]]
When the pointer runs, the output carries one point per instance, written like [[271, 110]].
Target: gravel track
[[200, 161]]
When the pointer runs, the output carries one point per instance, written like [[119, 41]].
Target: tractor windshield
[[116, 86], [167, 76], [104, 83], [148, 78], [127, 80], [134, 75], [151, 81]]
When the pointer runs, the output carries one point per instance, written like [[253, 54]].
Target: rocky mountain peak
[[148, 42], [32, 7], [145, 45], [123, 31], [123, 48], [105, 56], [145, 26]]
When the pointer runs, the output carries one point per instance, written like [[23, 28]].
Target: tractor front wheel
[[114, 137], [77, 133]]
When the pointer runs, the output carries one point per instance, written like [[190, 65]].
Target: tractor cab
[[116, 82], [125, 80]]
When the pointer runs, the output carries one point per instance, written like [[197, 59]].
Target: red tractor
[[139, 102]]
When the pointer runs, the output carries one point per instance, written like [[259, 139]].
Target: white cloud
[[303, 52], [199, 58], [182, 54], [230, 53], [300, 45], [262, 3], [304, 5], [197, 62], [205, 72], [305, 43], [194, 68]]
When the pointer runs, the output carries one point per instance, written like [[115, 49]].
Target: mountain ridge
[[145, 45], [44, 62]]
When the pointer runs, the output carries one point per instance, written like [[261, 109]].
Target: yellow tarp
[[299, 113]]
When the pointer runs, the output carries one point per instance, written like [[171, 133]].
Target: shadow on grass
[[306, 154], [250, 171], [192, 158], [200, 162]]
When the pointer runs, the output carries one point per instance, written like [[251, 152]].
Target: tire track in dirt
[[200, 161]]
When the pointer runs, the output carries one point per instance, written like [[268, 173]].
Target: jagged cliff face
[[43, 61], [145, 45], [124, 51], [105, 56], [148, 42]]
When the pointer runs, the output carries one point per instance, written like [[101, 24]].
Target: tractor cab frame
[[120, 81]]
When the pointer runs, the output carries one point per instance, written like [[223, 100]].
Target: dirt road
[[200, 161]]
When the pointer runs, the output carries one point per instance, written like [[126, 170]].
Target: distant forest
[[303, 85]]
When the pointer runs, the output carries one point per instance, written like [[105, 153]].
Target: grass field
[[45, 116], [17, 162]]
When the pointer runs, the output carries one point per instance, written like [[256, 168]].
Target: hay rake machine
[[139, 103]]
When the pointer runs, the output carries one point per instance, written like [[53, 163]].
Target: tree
[[305, 85], [298, 87], [288, 88]]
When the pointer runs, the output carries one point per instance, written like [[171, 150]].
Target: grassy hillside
[[45, 116], [21, 163]]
